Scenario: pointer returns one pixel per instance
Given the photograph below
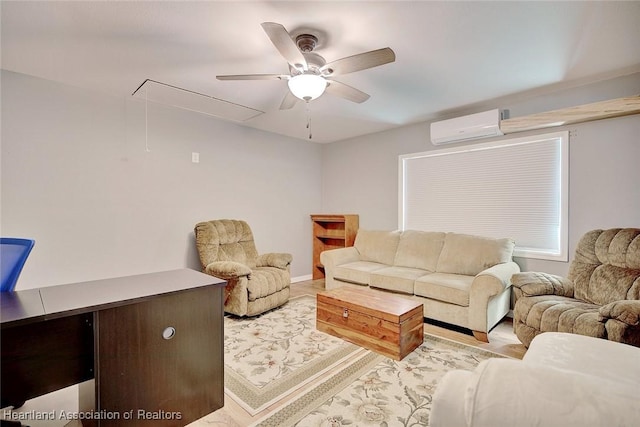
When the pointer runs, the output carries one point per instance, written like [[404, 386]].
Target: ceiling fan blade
[[285, 44], [253, 77], [347, 92], [288, 101], [358, 62]]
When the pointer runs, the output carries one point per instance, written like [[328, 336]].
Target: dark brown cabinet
[[148, 348], [166, 371]]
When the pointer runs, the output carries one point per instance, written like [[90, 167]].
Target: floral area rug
[[270, 356], [391, 394]]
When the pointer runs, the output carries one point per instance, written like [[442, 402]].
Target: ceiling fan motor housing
[[306, 42]]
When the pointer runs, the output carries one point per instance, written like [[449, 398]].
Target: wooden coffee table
[[380, 321]]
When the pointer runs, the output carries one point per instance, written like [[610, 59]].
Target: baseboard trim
[[301, 278]]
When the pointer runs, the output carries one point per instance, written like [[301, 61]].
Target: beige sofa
[[461, 279], [563, 380]]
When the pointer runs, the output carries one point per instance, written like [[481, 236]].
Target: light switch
[[195, 157]]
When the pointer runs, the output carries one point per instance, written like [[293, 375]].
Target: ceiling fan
[[310, 75]]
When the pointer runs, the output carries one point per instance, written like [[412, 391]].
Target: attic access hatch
[[162, 93]]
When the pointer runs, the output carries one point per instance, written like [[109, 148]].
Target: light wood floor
[[501, 340]]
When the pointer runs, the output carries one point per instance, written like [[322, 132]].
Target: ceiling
[[449, 55]]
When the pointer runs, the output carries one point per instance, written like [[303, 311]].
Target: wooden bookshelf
[[331, 231]]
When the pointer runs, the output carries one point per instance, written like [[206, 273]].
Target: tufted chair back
[[606, 266], [225, 240]]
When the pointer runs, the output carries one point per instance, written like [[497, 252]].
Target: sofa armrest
[[334, 257], [227, 269], [494, 280], [278, 260], [625, 311], [532, 283], [489, 297]]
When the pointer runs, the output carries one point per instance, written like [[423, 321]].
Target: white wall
[[77, 178], [361, 175]]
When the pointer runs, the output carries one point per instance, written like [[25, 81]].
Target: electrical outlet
[[195, 157]]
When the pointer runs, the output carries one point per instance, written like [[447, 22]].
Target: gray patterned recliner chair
[[599, 298], [255, 283]]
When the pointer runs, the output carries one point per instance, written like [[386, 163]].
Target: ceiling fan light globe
[[307, 86]]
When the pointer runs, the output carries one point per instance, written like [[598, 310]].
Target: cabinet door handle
[[169, 332], [345, 313]]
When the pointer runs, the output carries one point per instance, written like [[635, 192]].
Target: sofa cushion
[[604, 358], [265, 281], [606, 266], [225, 240], [609, 283], [466, 254], [397, 279], [552, 313], [545, 396], [419, 249], [377, 246], [357, 271], [619, 247], [451, 288]]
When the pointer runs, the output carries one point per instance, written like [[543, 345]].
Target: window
[[510, 188]]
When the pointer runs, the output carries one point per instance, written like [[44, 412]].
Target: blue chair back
[[13, 255]]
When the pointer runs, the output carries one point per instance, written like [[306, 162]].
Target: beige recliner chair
[[599, 298], [255, 283]]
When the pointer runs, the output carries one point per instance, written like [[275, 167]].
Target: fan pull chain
[[146, 120], [309, 119]]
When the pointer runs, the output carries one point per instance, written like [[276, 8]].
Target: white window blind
[[511, 188]]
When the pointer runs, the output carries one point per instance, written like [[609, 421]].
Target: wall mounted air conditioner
[[479, 125]]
